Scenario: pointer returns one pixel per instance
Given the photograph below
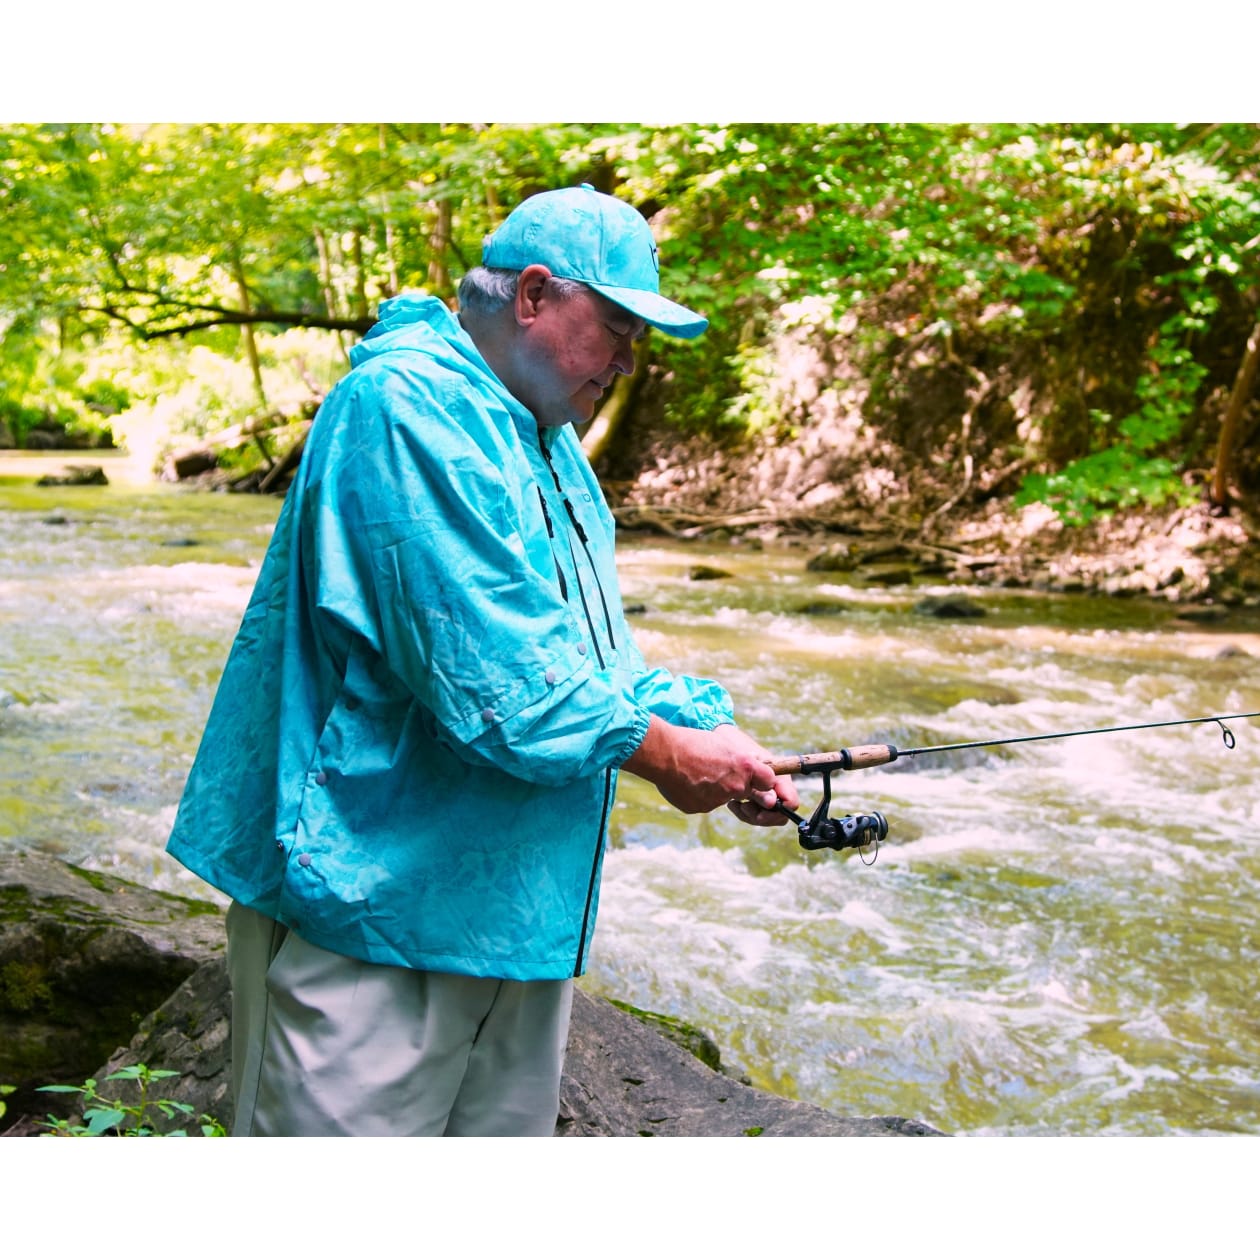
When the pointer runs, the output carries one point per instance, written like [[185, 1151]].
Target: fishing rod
[[856, 831]]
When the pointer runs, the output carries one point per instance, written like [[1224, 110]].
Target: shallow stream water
[[1056, 937]]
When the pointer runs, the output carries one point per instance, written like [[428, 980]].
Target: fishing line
[[866, 755], [1227, 736]]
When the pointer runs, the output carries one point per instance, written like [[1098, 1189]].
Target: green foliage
[[1125, 469], [104, 1116], [48, 386], [4, 1091], [1109, 265], [106, 397], [17, 419], [1096, 485]]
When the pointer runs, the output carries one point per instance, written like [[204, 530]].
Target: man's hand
[[696, 771]]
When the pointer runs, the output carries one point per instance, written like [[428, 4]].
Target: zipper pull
[[568, 507], [577, 525], [542, 502], [551, 533]]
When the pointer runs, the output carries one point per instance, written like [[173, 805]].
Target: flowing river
[[1057, 937]]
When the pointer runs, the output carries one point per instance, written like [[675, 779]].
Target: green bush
[[105, 397]]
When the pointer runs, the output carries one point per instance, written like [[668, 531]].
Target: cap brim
[[653, 309]]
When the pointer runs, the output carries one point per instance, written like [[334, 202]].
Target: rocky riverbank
[[97, 973], [841, 477]]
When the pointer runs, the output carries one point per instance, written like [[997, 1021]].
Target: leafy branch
[[221, 316]]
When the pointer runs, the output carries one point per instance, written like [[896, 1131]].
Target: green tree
[[1112, 268]]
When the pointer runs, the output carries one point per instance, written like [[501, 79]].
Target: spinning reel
[[853, 831]]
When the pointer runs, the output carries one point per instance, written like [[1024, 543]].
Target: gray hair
[[487, 290]]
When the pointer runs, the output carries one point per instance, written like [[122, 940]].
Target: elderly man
[[405, 782]]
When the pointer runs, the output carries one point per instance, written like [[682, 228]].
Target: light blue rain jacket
[[411, 755]]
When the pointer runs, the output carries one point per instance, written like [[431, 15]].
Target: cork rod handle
[[859, 758]]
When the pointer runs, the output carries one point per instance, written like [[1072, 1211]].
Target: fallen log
[[684, 523]]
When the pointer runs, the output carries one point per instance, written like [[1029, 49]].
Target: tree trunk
[[439, 278], [391, 260], [326, 283], [247, 332], [360, 276], [1233, 414]]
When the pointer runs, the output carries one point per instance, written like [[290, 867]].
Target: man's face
[[576, 348]]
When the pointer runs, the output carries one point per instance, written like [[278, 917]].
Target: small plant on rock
[[111, 1117]]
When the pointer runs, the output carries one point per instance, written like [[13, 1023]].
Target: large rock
[[75, 936], [83, 958], [622, 1079], [76, 475]]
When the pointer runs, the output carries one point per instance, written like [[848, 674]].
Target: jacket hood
[[416, 321]]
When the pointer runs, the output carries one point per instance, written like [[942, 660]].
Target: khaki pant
[[324, 1045]]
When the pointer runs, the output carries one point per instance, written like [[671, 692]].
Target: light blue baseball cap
[[581, 234]]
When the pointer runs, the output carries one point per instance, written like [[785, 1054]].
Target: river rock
[[189, 463], [1203, 614], [834, 558], [828, 608], [621, 1079], [949, 607], [76, 475], [888, 575], [69, 939]]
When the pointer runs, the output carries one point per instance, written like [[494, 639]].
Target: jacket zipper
[[586, 547], [608, 773], [551, 533], [590, 886]]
